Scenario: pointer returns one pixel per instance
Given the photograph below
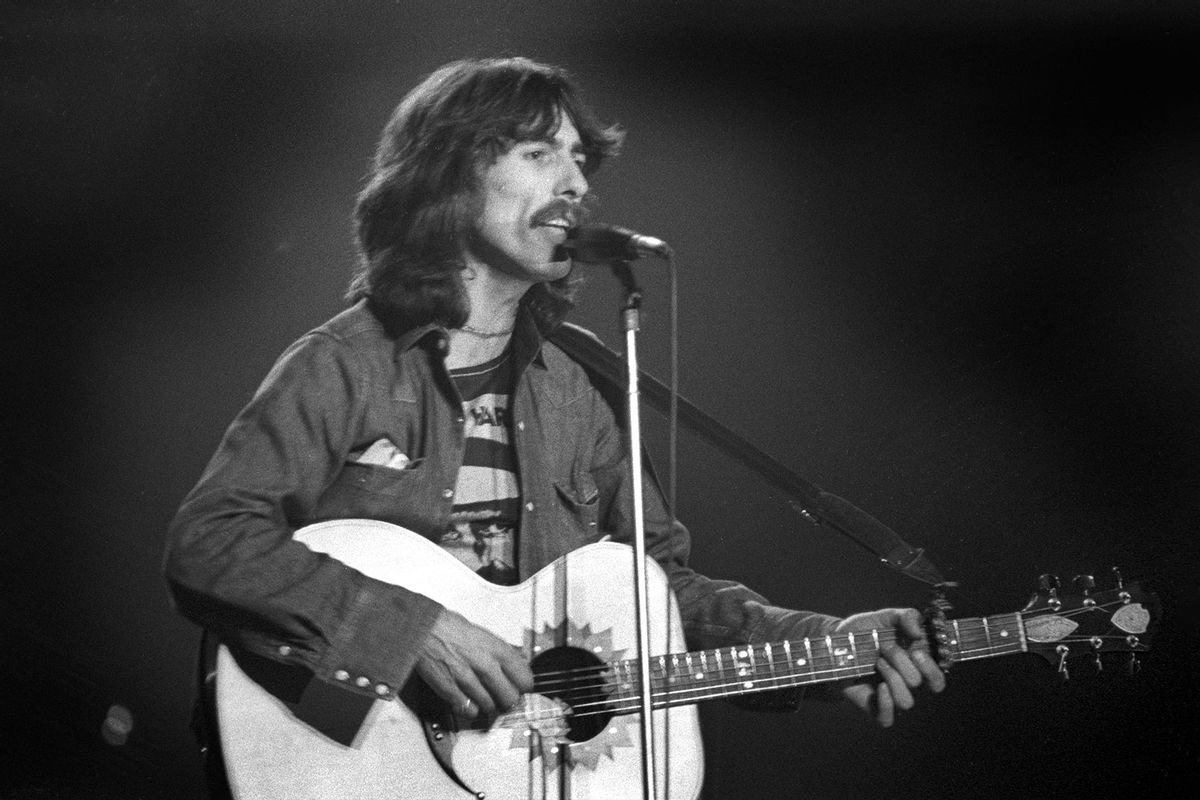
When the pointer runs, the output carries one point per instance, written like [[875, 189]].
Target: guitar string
[[607, 703], [763, 682], [723, 684], [568, 679], [769, 682], [885, 637], [604, 680], [679, 695]]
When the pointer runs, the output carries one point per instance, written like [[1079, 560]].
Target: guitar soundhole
[[579, 679]]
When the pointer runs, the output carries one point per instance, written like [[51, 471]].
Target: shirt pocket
[[580, 500], [371, 491]]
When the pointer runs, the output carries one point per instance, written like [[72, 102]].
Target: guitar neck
[[683, 678]]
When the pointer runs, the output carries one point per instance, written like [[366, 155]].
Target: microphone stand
[[630, 322]]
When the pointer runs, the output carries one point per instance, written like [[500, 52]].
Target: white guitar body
[[580, 604]]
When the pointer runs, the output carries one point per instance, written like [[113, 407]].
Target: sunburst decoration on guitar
[[570, 650]]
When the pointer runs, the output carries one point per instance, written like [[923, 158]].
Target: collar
[[526, 343]]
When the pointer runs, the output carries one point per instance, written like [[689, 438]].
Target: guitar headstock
[[1089, 623]]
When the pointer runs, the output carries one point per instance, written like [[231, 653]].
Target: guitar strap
[[812, 503]]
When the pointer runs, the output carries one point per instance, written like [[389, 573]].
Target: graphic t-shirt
[[487, 502]]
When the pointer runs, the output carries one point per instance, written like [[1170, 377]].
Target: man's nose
[[571, 182]]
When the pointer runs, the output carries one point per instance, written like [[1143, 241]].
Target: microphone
[[602, 243]]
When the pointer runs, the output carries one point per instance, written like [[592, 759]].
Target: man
[[440, 402]]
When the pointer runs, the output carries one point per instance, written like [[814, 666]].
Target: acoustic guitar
[[577, 736]]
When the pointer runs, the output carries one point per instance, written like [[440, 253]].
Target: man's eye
[[536, 155]]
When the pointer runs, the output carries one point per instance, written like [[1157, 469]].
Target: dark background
[[942, 259]]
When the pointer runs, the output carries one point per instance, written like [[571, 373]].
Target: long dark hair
[[416, 208]]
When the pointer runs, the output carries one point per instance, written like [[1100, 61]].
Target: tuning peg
[[1063, 651], [1124, 596], [1133, 666], [1085, 584], [1097, 645], [1049, 584]]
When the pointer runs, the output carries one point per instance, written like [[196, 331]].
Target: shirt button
[[529, 506], [341, 675], [362, 681], [382, 689], [284, 650], [447, 493], [521, 426], [460, 420]]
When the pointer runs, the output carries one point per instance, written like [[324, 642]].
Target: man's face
[[529, 198]]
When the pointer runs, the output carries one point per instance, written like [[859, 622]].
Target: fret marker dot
[[699, 676], [742, 653], [800, 662], [1003, 633], [748, 685]]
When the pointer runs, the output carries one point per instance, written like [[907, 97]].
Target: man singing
[[440, 402]]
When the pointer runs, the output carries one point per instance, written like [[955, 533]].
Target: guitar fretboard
[[682, 678]]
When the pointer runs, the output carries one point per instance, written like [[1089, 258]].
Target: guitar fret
[[1020, 624], [812, 674], [738, 666]]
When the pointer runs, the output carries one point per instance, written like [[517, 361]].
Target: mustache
[[573, 211]]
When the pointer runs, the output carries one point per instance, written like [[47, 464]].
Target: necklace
[[484, 334]]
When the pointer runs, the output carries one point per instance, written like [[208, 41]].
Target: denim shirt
[[287, 461]]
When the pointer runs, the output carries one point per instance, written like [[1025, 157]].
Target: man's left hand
[[904, 664]]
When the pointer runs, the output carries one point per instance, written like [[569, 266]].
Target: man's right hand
[[473, 670]]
